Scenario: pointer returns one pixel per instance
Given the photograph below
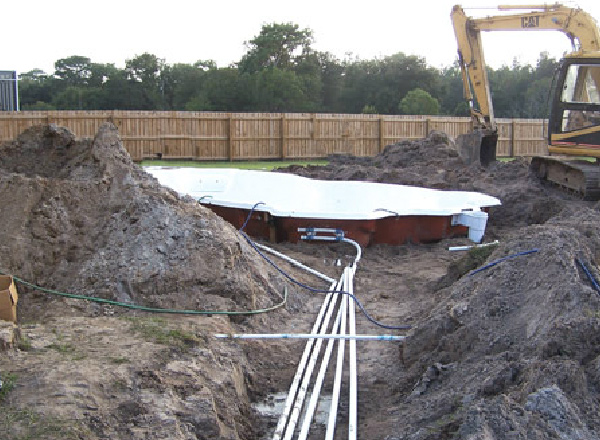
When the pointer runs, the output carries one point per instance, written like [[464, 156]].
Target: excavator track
[[577, 176]]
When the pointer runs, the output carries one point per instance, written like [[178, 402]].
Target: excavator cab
[[574, 129], [574, 126]]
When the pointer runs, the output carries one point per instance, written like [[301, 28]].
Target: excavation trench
[[378, 362]]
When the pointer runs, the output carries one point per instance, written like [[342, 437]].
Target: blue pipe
[[493, 263], [589, 275]]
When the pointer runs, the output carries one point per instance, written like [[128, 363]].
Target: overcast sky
[[37, 33]]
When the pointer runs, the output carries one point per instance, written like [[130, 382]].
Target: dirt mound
[[433, 162], [83, 218], [516, 344]]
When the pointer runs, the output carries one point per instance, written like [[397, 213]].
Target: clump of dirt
[[83, 218], [474, 258]]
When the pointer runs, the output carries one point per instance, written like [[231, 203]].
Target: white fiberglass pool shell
[[289, 195]]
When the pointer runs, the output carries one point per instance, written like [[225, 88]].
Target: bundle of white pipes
[[295, 402], [286, 426], [342, 328]]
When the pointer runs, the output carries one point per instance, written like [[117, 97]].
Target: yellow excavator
[[574, 122]]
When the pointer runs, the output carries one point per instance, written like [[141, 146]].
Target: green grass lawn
[[259, 165]]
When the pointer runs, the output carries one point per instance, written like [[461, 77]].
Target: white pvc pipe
[[283, 418], [293, 420], [466, 248], [459, 248], [328, 230], [314, 397], [337, 382], [319, 237], [352, 407], [308, 336], [296, 397], [295, 262], [358, 252]]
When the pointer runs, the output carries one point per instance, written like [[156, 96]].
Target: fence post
[[230, 148], [513, 138], [427, 125], [544, 136], [315, 136], [284, 137], [381, 134]]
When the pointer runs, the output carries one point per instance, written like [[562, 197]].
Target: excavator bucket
[[477, 147]]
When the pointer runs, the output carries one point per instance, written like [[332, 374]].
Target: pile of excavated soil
[[433, 162], [81, 217], [513, 351]]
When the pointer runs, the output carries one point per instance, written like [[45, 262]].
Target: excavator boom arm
[[575, 23]]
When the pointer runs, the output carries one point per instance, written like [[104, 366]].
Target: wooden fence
[[267, 136]]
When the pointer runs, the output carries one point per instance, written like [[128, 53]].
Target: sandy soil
[[509, 352]]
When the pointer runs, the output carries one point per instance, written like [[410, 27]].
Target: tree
[[77, 98], [35, 75], [309, 71], [369, 110], [462, 109], [331, 81], [35, 89], [419, 102], [143, 73], [537, 98], [117, 93], [101, 73], [278, 45], [144, 68], [227, 90], [75, 70], [546, 66], [281, 72], [185, 84], [509, 86], [276, 90], [198, 103], [381, 82], [450, 93], [39, 105]]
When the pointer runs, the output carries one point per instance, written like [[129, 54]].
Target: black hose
[[312, 289]]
